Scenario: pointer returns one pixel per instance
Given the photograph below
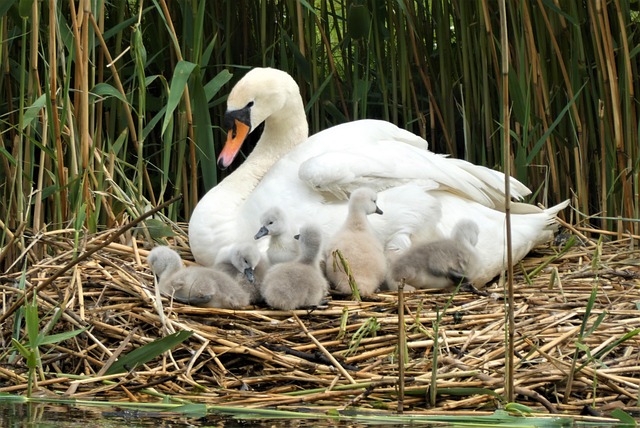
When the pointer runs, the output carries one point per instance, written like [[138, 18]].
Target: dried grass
[[266, 358]]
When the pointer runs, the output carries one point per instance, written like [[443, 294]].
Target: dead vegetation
[[342, 354]]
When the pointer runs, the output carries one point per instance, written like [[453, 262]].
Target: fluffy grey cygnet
[[195, 285], [442, 263], [246, 265], [299, 283], [282, 245], [359, 245]]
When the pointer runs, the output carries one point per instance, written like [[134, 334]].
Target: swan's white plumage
[[311, 178]]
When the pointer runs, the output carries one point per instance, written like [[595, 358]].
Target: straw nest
[[341, 355]]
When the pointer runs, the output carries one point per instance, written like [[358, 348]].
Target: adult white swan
[[311, 177]]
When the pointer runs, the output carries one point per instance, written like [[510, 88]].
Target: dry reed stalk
[[401, 347], [335, 363]]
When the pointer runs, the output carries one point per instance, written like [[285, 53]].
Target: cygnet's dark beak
[[248, 273], [378, 210], [262, 232]]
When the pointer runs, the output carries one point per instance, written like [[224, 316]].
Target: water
[[52, 415], [47, 415]]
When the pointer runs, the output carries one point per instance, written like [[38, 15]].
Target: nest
[[572, 349]]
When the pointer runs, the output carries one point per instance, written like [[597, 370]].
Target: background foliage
[[109, 107]]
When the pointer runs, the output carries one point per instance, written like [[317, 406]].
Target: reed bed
[[575, 349]]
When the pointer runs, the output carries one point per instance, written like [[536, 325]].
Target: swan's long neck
[[309, 253]]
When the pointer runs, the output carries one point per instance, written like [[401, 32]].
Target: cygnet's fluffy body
[[442, 263], [283, 247], [299, 283], [359, 246], [244, 263], [195, 285]]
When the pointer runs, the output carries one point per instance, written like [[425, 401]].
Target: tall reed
[[109, 107]]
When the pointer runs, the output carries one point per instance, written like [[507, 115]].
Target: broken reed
[[107, 109]]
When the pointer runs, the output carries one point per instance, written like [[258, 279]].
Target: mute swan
[[299, 283], [442, 263], [311, 177], [282, 245], [360, 247], [195, 285], [244, 262]]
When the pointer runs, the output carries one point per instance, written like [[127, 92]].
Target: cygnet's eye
[[270, 223], [249, 104]]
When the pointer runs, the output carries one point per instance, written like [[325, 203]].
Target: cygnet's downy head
[[245, 258], [364, 199], [164, 261], [273, 223], [466, 231]]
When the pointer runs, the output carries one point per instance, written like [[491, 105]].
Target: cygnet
[[359, 245], [195, 285], [299, 283], [442, 263], [246, 265], [282, 245]]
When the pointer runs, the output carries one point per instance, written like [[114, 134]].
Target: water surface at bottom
[[46, 415]]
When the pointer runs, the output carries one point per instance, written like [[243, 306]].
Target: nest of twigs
[[570, 354]]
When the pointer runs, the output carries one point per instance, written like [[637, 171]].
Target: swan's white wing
[[340, 173], [382, 164], [410, 213], [493, 179], [366, 130]]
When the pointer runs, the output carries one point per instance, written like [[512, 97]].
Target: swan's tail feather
[[493, 180], [552, 214], [554, 210]]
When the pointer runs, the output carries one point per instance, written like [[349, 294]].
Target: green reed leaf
[[148, 352]]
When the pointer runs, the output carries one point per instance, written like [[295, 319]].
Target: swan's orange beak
[[235, 138]]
